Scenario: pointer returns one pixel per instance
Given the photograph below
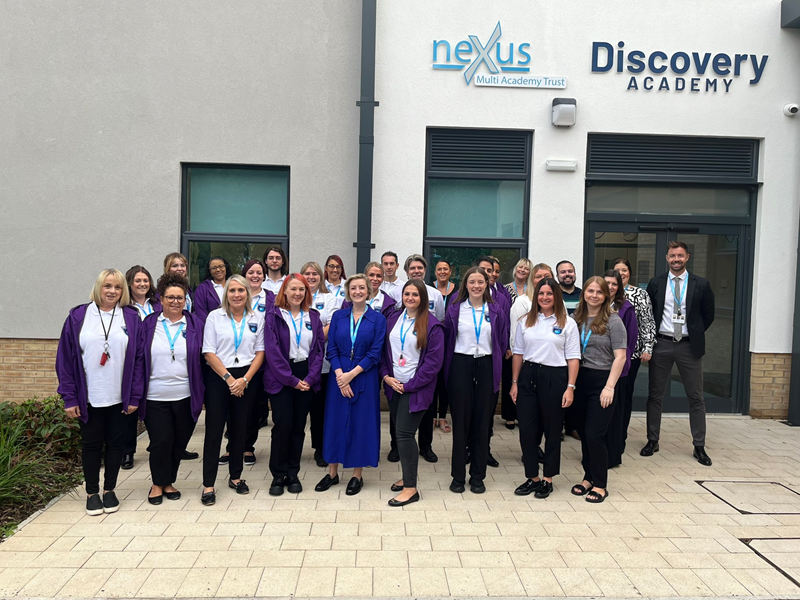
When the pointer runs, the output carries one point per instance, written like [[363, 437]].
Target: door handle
[[652, 228], [685, 229]]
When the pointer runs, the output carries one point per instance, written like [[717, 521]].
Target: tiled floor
[[659, 534]]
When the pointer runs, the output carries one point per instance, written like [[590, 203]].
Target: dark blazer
[[699, 308]]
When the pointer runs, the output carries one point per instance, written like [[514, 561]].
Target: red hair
[[338, 260], [282, 302]]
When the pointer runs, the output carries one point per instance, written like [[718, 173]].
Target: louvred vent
[[484, 151]]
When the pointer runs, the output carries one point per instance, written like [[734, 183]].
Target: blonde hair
[[171, 257], [373, 265], [322, 288], [350, 280], [119, 279], [531, 291], [248, 305]]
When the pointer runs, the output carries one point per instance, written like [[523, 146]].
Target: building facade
[[133, 130]]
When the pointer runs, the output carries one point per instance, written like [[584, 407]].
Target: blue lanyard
[[478, 327], [524, 289], [188, 303], [678, 299], [585, 338], [144, 310], [403, 333], [354, 331], [375, 298], [171, 340], [298, 334], [315, 295], [237, 340], [257, 300]]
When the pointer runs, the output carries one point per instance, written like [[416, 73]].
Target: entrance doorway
[[719, 253]]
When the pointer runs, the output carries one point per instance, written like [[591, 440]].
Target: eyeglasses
[[334, 267], [218, 268], [174, 299]]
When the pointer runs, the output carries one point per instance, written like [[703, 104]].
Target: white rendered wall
[[413, 96]]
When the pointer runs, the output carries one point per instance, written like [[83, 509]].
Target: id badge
[[679, 320]]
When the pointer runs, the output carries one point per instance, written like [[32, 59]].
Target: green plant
[[45, 422]]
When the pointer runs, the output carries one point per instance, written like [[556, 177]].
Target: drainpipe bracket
[[365, 102]]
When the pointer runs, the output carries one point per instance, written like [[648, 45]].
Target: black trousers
[[630, 384], [615, 441], [131, 429], [441, 398], [170, 426], [102, 439], [222, 407], [508, 409], [258, 414], [290, 409], [406, 424], [539, 393], [472, 404], [425, 429], [318, 414], [592, 423]]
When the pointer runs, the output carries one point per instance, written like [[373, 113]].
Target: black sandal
[[582, 491], [595, 497]]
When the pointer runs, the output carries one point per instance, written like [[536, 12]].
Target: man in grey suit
[[683, 307]]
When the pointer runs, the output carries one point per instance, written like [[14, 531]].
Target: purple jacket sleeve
[[137, 376], [384, 367], [278, 363], [316, 352], [428, 370], [67, 385], [373, 356]]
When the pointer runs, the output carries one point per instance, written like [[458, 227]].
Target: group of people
[[318, 342]]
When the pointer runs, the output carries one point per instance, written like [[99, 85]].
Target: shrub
[[45, 422]]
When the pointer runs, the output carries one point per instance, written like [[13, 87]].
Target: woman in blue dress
[[352, 432]]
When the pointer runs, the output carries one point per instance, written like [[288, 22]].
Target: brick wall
[[27, 368], [769, 385]]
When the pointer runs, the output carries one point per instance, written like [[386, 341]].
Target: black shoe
[[414, 498], [397, 488], [649, 448], [94, 505], [326, 483], [701, 456], [276, 488], [354, 486], [293, 485], [528, 487], [429, 455], [492, 461], [224, 459], [208, 498], [477, 487], [110, 502], [544, 490], [319, 460], [541, 455], [156, 500], [189, 455], [457, 487], [241, 487], [510, 426], [394, 455], [176, 495], [127, 462], [249, 460]]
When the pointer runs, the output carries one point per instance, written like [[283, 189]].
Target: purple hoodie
[[194, 350], [278, 370], [388, 308], [422, 385], [628, 316], [69, 362], [499, 320], [205, 300]]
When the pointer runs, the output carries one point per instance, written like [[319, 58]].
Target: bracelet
[[513, 381], [246, 380], [610, 389], [571, 385]]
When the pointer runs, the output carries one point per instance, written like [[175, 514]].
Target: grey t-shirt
[[599, 353]]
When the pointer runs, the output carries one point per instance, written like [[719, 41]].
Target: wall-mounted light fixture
[[564, 110], [561, 165]]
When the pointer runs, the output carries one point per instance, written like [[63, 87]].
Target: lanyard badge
[[354, 332], [403, 334], [237, 339], [104, 358], [478, 323], [584, 339], [171, 340], [298, 332]]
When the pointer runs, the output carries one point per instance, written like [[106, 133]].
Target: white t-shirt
[[338, 293], [219, 288], [408, 350], [435, 302], [218, 338], [520, 308], [103, 383], [302, 325], [143, 309], [169, 379], [547, 344], [258, 304], [393, 288], [325, 305], [466, 338], [273, 286]]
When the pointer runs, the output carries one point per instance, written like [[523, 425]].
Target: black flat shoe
[[492, 461], [224, 459], [545, 489], [326, 483], [176, 495], [393, 456], [94, 505], [319, 460], [510, 426], [249, 460], [127, 462], [649, 449], [293, 485], [110, 502], [189, 455], [414, 498], [528, 487], [241, 487], [477, 487], [354, 486], [701, 456], [276, 487], [429, 455], [155, 500], [457, 487], [208, 498], [396, 488]]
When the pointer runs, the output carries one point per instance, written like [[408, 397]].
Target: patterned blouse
[[644, 318], [512, 289]]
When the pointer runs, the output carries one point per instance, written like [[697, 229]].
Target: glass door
[[715, 253]]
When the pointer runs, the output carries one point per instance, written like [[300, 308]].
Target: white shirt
[[403, 373], [273, 286], [393, 288], [301, 325], [377, 302], [435, 303], [218, 338], [143, 309], [325, 305], [169, 379], [219, 288], [541, 344], [103, 383], [258, 304], [520, 308], [669, 304], [466, 339], [337, 291]]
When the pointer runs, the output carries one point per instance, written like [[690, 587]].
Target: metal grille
[[672, 158], [477, 150]]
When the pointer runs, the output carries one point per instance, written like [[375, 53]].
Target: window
[[668, 200], [476, 197], [233, 211]]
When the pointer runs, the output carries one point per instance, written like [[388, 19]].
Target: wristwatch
[[226, 376], [246, 380], [571, 385]]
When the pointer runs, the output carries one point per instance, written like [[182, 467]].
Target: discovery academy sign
[[711, 72], [508, 66]]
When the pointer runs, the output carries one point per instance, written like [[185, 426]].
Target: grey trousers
[[406, 424], [665, 354]]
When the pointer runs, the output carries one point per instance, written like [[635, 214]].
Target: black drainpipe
[[366, 137]]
